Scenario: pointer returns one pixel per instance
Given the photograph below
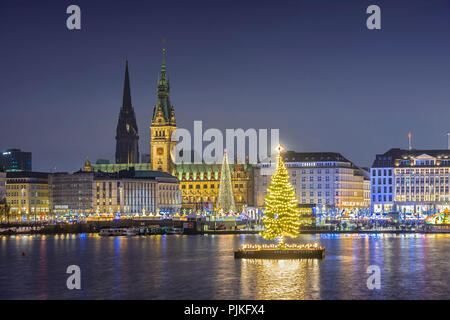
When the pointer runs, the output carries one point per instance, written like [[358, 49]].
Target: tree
[[226, 196], [281, 215], [5, 212]]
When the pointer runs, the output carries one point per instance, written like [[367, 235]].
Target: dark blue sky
[[310, 68]]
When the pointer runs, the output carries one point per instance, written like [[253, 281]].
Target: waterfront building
[[71, 193], [3, 207], [15, 160], [411, 181], [127, 139], [199, 181], [127, 192], [366, 187], [2, 186], [200, 184], [325, 180], [27, 195], [163, 126]]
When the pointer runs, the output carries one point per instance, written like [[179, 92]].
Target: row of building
[[410, 181], [39, 196], [413, 181]]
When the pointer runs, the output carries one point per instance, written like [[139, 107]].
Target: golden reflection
[[280, 279]]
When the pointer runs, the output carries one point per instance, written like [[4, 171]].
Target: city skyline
[[343, 88]]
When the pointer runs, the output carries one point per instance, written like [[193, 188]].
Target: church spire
[[127, 147], [163, 76], [126, 104], [163, 105]]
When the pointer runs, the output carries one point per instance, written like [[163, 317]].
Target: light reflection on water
[[413, 266], [280, 279]]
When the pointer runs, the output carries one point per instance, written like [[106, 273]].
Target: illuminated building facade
[[2, 188], [163, 126], [127, 192], [199, 181], [71, 193], [15, 160], [417, 181], [200, 184], [366, 187], [28, 196], [326, 180], [2, 193]]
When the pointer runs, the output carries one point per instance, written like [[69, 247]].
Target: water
[[413, 266]]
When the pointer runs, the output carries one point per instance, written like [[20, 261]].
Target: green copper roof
[[163, 101]]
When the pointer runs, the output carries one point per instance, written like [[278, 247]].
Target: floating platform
[[279, 254]]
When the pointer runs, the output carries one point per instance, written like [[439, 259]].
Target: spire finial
[[126, 102], [164, 51]]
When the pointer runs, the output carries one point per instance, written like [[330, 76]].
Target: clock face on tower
[[159, 151]]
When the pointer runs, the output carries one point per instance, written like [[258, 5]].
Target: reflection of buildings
[[15, 160], [27, 194], [412, 181], [322, 179], [125, 192]]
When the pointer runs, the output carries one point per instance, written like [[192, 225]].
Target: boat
[[175, 231], [131, 232], [117, 232]]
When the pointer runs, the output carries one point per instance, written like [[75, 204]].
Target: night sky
[[310, 68]]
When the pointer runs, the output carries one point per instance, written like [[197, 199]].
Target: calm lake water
[[203, 267]]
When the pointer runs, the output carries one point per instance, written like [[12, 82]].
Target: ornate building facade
[[127, 192], [27, 195], [199, 182], [325, 180], [163, 126], [127, 139], [200, 185], [411, 181]]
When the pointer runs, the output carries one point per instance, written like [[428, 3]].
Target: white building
[[411, 181], [2, 187], [126, 192], [323, 179]]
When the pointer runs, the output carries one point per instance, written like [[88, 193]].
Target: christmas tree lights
[[281, 215], [225, 201]]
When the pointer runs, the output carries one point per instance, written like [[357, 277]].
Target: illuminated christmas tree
[[281, 215], [226, 198]]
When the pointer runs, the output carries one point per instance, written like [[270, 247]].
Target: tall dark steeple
[[127, 139]]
